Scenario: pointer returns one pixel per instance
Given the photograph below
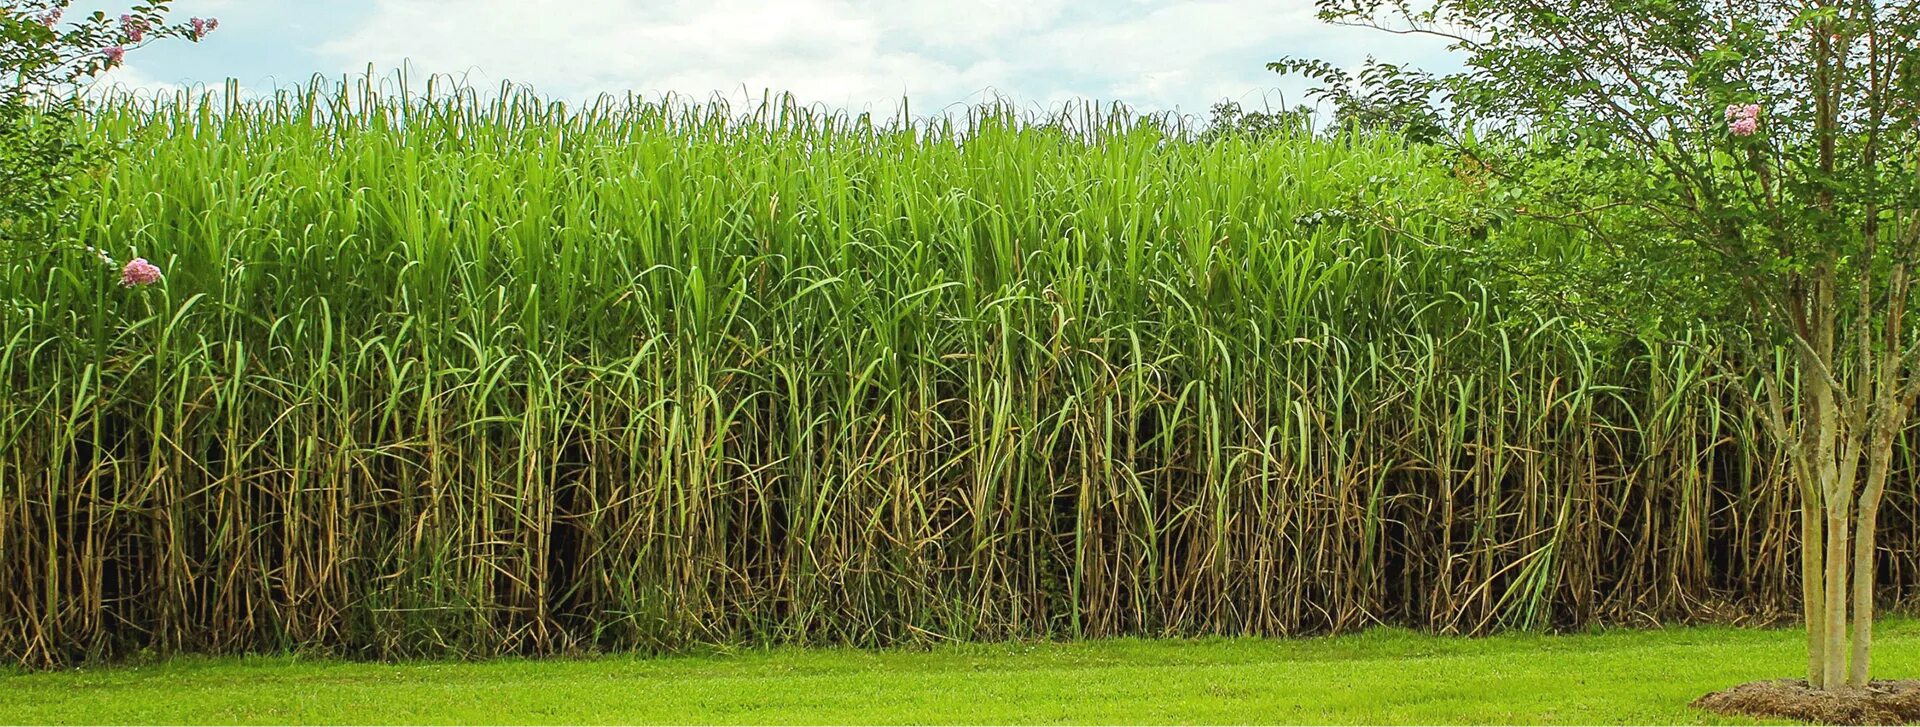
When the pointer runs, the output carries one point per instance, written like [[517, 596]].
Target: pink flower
[[113, 55], [51, 17], [203, 26], [1743, 120], [134, 28], [139, 272]]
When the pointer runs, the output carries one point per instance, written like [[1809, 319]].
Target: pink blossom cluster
[[113, 54], [1743, 120], [203, 26], [51, 17], [133, 27], [139, 272]]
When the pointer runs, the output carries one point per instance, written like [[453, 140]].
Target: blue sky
[[1155, 55]]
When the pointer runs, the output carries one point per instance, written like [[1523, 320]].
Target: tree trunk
[[1832, 482], [1813, 594], [1835, 648], [1800, 446], [1889, 419], [1863, 544]]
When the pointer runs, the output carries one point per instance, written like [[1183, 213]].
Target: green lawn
[[1379, 676]]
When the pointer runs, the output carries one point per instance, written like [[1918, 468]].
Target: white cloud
[[861, 54], [822, 50], [971, 26], [1190, 54], [132, 79]]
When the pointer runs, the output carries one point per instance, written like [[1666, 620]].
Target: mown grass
[[1378, 676]]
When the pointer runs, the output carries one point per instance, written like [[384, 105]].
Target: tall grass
[[449, 375]]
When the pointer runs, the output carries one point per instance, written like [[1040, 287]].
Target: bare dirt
[[1882, 702]]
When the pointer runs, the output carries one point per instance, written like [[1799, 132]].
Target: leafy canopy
[[1702, 155]]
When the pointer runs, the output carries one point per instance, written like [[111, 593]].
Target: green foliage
[[444, 376], [1383, 97], [1748, 167], [44, 63], [1611, 119], [1229, 121]]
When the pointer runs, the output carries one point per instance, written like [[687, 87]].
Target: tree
[[1752, 162], [1230, 121], [1381, 97], [46, 63]]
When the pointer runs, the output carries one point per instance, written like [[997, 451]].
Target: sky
[[860, 55]]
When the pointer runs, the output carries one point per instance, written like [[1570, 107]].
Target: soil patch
[[1882, 702]]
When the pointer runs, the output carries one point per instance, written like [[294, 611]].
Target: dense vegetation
[[462, 376]]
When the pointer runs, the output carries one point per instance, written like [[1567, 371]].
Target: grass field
[[1383, 675]]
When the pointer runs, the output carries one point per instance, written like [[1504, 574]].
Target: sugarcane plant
[[1746, 165], [437, 371]]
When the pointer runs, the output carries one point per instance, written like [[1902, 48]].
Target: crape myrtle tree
[[1749, 164], [46, 58]]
